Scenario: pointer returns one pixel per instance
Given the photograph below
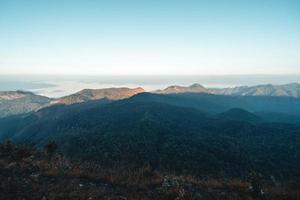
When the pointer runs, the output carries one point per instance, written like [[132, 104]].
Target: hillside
[[238, 114], [287, 90], [211, 103], [21, 102], [18, 102], [183, 140], [96, 94], [26, 173], [199, 134], [197, 88]]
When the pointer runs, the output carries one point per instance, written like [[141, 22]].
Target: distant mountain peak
[[293, 84], [197, 85], [19, 102], [287, 90], [11, 95], [183, 89]]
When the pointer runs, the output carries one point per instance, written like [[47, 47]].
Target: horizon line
[[60, 74]]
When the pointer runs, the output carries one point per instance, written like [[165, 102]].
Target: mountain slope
[[166, 137], [96, 94], [31, 174], [288, 90], [238, 114], [214, 104], [18, 102], [197, 88]]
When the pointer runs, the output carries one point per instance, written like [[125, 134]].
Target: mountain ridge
[[289, 90], [140, 133], [197, 88], [18, 102], [96, 94]]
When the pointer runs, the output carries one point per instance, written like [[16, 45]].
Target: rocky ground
[[29, 174]]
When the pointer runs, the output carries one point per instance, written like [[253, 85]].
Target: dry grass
[[135, 182], [58, 178]]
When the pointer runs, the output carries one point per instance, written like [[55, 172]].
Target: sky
[[150, 37]]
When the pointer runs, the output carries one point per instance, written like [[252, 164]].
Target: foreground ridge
[[29, 174]]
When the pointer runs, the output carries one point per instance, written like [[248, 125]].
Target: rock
[[11, 165], [28, 159], [222, 194], [35, 177], [121, 198], [197, 196]]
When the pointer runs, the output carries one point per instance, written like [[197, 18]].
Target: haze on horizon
[[149, 37]]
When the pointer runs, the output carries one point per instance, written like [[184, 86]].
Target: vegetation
[[168, 138], [26, 174], [152, 147]]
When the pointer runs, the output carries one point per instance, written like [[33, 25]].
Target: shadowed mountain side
[[13, 103], [219, 103], [166, 137], [122, 116], [289, 118], [48, 116], [238, 114]]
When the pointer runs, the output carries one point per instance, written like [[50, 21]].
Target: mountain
[[18, 102], [21, 102], [289, 118], [208, 136], [96, 94], [215, 104], [12, 95], [143, 132], [238, 114], [181, 89], [289, 90]]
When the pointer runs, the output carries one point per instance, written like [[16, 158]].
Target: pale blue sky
[[149, 37]]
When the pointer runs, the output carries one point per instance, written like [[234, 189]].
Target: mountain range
[[188, 133], [183, 130], [18, 102], [288, 90]]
